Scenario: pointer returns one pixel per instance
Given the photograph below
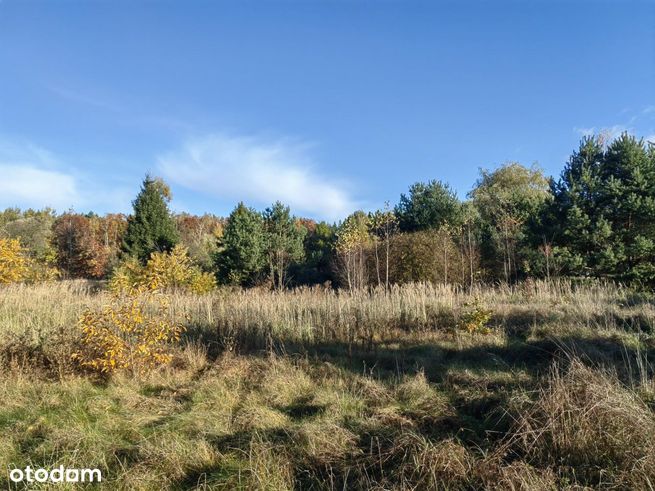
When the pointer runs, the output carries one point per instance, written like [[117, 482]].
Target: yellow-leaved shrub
[[134, 332], [13, 263], [475, 319], [164, 270], [17, 266]]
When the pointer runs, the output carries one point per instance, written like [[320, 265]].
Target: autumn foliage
[[87, 245], [17, 266], [134, 332], [475, 318], [13, 263], [163, 271]]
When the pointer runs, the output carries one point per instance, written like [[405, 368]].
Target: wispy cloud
[[125, 111], [585, 131], [85, 98], [635, 123], [257, 171], [609, 132]]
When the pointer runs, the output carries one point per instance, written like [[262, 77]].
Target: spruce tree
[[151, 227], [241, 258]]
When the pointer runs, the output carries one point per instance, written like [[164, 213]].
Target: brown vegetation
[[317, 389]]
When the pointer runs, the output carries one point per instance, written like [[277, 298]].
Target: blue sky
[[328, 106]]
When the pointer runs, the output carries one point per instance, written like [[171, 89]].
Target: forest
[[596, 220]]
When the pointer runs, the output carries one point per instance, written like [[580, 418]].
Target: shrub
[[164, 270], [13, 263], [475, 318], [134, 332], [16, 266]]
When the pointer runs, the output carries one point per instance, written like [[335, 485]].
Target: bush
[[134, 333], [17, 267], [164, 270], [13, 263], [475, 319]]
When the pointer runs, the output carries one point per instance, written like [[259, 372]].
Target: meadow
[[320, 389]]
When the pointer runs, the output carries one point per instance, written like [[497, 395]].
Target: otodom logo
[[58, 474]]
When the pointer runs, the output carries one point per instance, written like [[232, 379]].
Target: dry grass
[[314, 389], [589, 426]]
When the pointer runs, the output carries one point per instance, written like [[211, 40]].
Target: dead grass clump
[[420, 401], [586, 424], [173, 455], [428, 465], [270, 466], [284, 384], [253, 414], [326, 443], [495, 474]]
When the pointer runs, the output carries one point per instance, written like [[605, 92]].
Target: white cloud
[[609, 132], [651, 138], [25, 185], [585, 131], [33, 177], [257, 171], [30, 177]]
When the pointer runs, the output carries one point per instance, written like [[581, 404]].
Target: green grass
[[560, 394]]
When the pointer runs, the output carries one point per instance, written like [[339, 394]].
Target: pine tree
[[575, 221], [241, 258], [428, 206], [628, 200], [151, 227], [604, 209], [283, 242]]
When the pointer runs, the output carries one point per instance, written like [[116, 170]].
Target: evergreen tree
[[283, 242], [628, 200], [317, 266], [241, 258], [604, 210], [428, 207], [151, 228], [575, 219]]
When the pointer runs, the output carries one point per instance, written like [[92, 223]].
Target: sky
[[328, 106]]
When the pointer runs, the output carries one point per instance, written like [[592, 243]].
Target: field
[[313, 389]]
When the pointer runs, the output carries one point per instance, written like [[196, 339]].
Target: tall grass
[[317, 389], [38, 319]]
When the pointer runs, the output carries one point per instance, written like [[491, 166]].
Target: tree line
[[597, 219]]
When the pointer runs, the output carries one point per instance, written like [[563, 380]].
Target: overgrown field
[[314, 389]]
